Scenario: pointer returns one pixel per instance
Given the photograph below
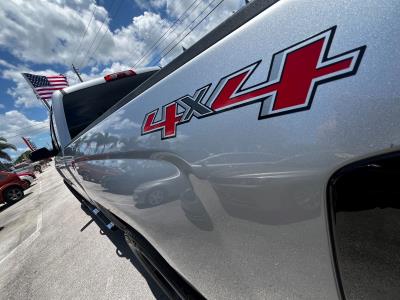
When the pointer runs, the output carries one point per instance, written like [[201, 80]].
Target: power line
[[84, 34], [176, 44], [188, 26], [168, 32], [95, 37], [104, 34], [19, 131], [20, 134], [190, 31], [30, 126], [23, 130]]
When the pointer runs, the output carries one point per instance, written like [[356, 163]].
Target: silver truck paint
[[247, 215]]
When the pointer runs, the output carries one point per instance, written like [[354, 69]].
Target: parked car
[[159, 191], [28, 179], [271, 122], [11, 187], [27, 167], [31, 174]]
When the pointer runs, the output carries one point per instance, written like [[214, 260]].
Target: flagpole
[[46, 105], [28, 143]]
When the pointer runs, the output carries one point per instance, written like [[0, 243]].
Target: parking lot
[[50, 248]]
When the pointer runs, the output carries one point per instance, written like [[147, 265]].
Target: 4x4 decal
[[292, 80]]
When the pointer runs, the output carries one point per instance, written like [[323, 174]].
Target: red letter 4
[[167, 124]]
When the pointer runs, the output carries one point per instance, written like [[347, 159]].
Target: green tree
[[4, 146], [22, 157]]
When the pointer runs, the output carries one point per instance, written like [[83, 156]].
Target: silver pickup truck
[[262, 163]]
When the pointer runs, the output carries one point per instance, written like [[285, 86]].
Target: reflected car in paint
[[157, 192]]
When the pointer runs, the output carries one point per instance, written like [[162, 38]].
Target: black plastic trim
[[332, 237], [149, 257], [154, 260], [330, 209]]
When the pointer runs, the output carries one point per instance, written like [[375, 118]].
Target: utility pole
[[77, 72]]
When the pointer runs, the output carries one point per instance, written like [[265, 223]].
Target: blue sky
[[45, 37]]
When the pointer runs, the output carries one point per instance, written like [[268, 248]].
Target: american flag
[[44, 86], [29, 143]]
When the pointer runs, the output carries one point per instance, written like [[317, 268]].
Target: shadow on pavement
[[122, 248], [4, 206], [26, 194]]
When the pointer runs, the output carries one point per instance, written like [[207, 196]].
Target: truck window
[[83, 107]]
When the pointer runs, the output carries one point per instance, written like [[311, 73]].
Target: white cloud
[[14, 124], [127, 44], [44, 31], [151, 4], [50, 32], [5, 64], [192, 18], [117, 122], [115, 67], [188, 14]]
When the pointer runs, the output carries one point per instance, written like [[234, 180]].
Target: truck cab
[[77, 107]]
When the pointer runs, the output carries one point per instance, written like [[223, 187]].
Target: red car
[[11, 187]]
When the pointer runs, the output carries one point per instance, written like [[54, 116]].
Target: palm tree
[[3, 146]]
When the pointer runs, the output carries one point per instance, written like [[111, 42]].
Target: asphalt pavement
[[51, 248]]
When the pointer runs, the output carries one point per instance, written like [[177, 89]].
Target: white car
[[26, 178]]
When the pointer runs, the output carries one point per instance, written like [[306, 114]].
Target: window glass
[[85, 106]]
